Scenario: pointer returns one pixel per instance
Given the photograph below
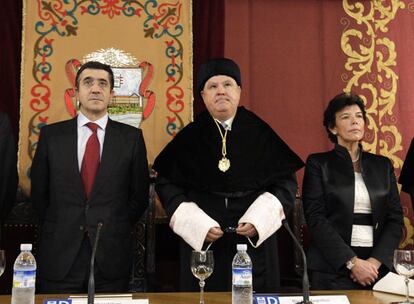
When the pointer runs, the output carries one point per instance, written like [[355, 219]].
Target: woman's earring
[[77, 105]]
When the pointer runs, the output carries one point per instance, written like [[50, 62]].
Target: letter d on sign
[[272, 300]]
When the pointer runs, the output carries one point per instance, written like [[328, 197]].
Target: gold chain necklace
[[224, 162]]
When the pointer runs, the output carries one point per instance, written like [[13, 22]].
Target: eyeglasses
[[230, 229]]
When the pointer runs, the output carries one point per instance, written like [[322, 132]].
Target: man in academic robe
[[87, 172], [227, 178]]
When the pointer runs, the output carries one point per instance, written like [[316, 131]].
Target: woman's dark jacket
[[328, 199]]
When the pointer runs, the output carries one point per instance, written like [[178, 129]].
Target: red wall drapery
[[296, 55], [291, 58]]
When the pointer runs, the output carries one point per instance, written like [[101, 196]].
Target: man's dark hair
[[95, 65], [338, 103]]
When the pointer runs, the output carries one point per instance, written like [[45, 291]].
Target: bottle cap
[[241, 247], [25, 247]]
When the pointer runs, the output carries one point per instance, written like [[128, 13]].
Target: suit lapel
[[108, 159], [69, 146]]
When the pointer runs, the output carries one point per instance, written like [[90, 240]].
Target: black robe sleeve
[[171, 195], [285, 191]]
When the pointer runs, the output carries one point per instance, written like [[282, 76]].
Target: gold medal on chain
[[224, 162]]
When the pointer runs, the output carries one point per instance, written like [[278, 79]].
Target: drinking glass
[[2, 261], [202, 265], [404, 265]]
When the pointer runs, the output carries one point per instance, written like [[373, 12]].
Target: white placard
[[109, 299], [331, 299]]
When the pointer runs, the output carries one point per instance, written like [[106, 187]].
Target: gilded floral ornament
[[371, 59]]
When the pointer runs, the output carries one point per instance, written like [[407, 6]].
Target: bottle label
[[24, 278], [242, 277]]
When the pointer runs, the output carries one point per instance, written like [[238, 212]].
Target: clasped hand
[[245, 229], [365, 272]]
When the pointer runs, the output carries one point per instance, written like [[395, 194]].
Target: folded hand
[[246, 229], [364, 272], [213, 234]]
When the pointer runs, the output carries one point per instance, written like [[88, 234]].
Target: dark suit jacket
[[328, 200], [118, 198], [8, 167]]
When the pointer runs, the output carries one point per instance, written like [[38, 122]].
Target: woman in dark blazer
[[351, 204]]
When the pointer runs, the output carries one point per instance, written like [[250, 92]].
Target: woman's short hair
[[338, 103]]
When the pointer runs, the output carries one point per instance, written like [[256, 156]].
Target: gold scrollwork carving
[[410, 6], [371, 59]]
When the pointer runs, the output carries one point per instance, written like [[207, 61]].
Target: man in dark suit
[[8, 168], [86, 171], [407, 173]]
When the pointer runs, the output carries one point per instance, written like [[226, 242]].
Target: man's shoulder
[[250, 120], [123, 128], [246, 114], [58, 126]]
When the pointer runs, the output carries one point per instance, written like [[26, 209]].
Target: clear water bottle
[[24, 276], [242, 291]]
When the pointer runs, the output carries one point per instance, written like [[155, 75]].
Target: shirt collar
[[229, 122], [101, 122], [226, 123]]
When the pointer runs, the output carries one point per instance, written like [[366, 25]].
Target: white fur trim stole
[[266, 215], [192, 224]]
